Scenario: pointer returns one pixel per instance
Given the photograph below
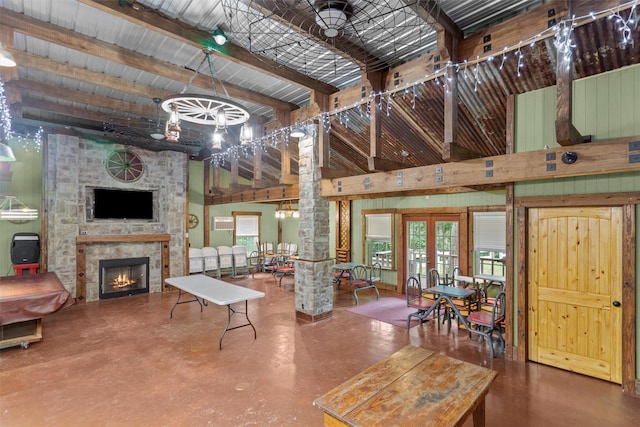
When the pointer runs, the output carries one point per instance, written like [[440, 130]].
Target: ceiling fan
[[332, 15]]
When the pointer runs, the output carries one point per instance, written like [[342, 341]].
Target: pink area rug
[[388, 310]]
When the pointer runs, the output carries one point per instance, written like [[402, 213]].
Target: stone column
[[313, 278]]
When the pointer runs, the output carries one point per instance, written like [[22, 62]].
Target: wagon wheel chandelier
[[203, 109]]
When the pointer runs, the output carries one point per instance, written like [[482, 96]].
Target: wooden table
[[217, 292], [413, 386]]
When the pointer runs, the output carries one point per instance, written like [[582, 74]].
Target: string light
[[625, 29], [563, 41], [5, 116]]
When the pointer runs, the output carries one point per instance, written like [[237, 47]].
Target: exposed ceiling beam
[[175, 29], [290, 17], [604, 157], [91, 46], [431, 14]]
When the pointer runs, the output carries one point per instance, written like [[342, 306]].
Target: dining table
[[344, 268], [445, 294]]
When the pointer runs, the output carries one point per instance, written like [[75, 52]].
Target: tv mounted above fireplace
[[111, 203]]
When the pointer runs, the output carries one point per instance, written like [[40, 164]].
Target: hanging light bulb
[[157, 132], [219, 37], [246, 134], [221, 119], [216, 140], [172, 129]]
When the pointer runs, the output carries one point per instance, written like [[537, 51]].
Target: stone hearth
[[77, 243]]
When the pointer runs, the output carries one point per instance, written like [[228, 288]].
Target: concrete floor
[[124, 362]]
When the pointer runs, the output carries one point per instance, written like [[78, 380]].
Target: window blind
[[378, 226], [489, 231], [246, 225]]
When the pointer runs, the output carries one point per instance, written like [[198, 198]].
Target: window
[[489, 242], [247, 230], [378, 239]]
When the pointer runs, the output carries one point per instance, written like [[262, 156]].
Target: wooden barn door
[[575, 290]]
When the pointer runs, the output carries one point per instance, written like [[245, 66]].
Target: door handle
[[616, 303]]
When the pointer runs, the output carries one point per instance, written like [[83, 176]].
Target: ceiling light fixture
[[205, 109], [6, 153], [298, 131], [6, 58], [219, 37], [157, 133], [172, 128], [286, 211], [12, 209], [246, 134], [217, 139], [332, 15]]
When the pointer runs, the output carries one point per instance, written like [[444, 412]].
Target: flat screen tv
[[122, 204]]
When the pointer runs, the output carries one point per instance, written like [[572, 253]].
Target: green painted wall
[[489, 198], [605, 106], [268, 221], [26, 184]]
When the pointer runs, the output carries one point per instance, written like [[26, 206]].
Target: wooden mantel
[[81, 254]]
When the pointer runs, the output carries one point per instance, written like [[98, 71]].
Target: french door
[[430, 241]]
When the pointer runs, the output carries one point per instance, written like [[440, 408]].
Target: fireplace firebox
[[121, 277]]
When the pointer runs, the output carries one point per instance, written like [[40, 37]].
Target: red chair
[[415, 299], [488, 323]]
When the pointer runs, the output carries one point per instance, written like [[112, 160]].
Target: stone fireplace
[[121, 277], [77, 242]]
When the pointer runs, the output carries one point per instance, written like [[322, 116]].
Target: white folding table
[[217, 292]]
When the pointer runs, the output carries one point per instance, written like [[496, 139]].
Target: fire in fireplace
[[120, 277]]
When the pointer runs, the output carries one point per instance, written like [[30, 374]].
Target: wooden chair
[[416, 300], [359, 280], [487, 323]]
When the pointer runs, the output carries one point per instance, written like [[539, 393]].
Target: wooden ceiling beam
[[273, 194], [92, 46], [566, 132], [592, 159], [431, 14], [290, 17], [81, 97], [155, 21]]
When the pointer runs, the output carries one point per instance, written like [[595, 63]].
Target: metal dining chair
[[487, 323], [282, 267], [359, 280], [416, 300]]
